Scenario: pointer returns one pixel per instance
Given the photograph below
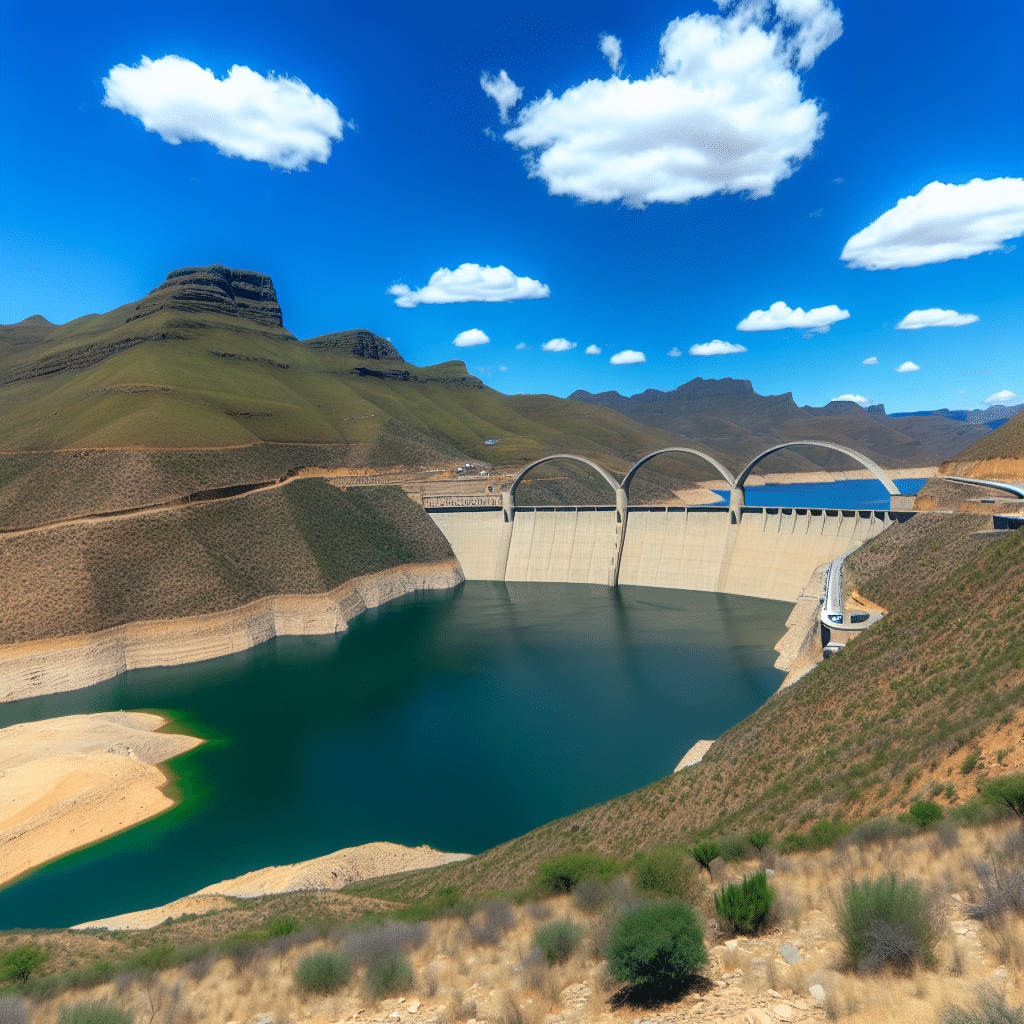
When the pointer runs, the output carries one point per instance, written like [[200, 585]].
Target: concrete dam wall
[[769, 553]]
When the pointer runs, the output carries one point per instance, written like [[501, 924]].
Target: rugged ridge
[[360, 342], [243, 293]]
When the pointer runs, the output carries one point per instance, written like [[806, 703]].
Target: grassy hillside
[[856, 738], [304, 538], [1005, 442]]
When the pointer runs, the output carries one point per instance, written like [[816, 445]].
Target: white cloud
[[723, 112], [715, 348], [612, 49], [626, 356], [557, 345], [918, 318], [675, 351], [940, 223], [503, 91], [593, 350], [522, 345], [276, 120], [999, 398], [474, 336], [907, 367], [502, 367], [779, 316], [859, 399], [871, 361], [470, 282]]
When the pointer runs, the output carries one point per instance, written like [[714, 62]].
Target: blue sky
[[723, 167]]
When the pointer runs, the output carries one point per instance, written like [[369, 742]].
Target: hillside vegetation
[[996, 456], [303, 538], [858, 737]]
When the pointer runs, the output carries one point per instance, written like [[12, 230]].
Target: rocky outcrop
[[70, 663], [75, 359], [360, 342], [243, 293]]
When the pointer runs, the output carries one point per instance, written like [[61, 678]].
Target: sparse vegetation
[[562, 874], [990, 1007], [669, 871], [94, 1011]]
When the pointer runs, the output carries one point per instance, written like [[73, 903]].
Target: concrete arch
[[605, 475], [726, 475], [862, 459]]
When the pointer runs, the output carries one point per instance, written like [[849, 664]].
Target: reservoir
[[458, 719]]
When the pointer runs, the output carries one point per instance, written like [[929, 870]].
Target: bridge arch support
[[867, 463], [602, 472], [725, 474]]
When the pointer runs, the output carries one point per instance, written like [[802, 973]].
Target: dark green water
[[458, 719]]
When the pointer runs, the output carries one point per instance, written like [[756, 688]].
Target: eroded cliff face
[[242, 293], [360, 342], [70, 663]]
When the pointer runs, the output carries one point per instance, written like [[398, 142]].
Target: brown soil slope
[[997, 456], [304, 538]]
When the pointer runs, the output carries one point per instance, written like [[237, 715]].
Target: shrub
[[734, 848], [745, 907], [668, 871], [322, 973], [562, 874], [886, 923], [93, 1011], [880, 830], [497, 919], [658, 944], [590, 895], [821, 834], [19, 963], [969, 763], [990, 1008], [705, 853], [277, 927], [759, 838], [1007, 791], [14, 1010], [389, 974], [1002, 891], [925, 812], [365, 945], [558, 940]]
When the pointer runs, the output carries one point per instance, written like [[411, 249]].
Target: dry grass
[[466, 969]]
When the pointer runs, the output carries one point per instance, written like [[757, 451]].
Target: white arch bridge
[[761, 552]]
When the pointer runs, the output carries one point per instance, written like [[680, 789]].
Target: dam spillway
[[769, 553]]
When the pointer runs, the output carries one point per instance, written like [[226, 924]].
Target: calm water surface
[[865, 494], [458, 719]]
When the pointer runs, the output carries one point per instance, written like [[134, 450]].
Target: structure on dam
[[739, 549]]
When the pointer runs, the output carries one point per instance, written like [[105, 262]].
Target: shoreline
[[824, 477], [70, 782], [60, 664]]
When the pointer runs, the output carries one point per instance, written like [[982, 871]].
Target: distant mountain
[[729, 416], [993, 416]]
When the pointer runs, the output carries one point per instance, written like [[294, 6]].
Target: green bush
[[705, 853], [759, 838], [969, 763], [277, 927], [745, 907], [1007, 792], [560, 875], [821, 834], [322, 973], [667, 871], [886, 923], [658, 944], [734, 848], [389, 974], [925, 812], [19, 963], [558, 940], [93, 1011]]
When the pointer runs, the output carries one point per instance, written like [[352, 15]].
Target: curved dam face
[[769, 553]]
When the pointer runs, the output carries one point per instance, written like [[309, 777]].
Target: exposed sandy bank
[[333, 871], [69, 782], [70, 663]]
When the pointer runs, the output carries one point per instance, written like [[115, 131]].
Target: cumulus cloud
[[779, 316], [723, 112], [859, 399], [557, 345], [871, 361], [522, 345], [612, 49], [907, 367], [503, 91], [593, 350], [715, 348], [999, 398], [942, 222], [627, 355], [675, 351], [470, 282], [918, 318], [276, 120], [467, 339]]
